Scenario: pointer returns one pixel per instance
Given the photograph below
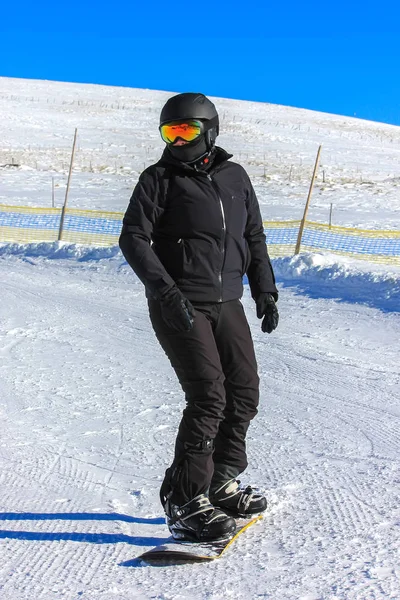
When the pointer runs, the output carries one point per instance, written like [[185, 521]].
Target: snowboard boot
[[237, 501], [198, 521]]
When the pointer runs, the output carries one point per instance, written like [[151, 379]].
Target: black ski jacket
[[198, 229]]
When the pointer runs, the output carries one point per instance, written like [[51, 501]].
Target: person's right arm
[[141, 216]]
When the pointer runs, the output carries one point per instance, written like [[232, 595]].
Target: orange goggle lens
[[187, 130]]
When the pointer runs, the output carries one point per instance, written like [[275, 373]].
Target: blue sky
[[339, 57]]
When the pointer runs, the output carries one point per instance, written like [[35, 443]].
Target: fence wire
[[25, 224], [369, 244]]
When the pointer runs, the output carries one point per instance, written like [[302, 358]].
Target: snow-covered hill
[[118, 137], [89, 404]]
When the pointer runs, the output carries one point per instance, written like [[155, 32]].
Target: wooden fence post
[[303, 221], [60, 232]]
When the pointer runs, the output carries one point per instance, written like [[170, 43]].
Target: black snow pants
[[216, 367]]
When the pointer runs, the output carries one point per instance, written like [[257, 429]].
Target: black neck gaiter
[[189, 153]]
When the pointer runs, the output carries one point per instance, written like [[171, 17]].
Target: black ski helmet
[[193, 106]]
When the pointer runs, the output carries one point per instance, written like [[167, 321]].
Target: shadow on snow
[[380, 298], [93, 538]]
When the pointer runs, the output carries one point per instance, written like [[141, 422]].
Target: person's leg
[[236, 351], [238, 360], [195, 359]]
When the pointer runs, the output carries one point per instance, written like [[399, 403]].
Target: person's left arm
[[260, 272]]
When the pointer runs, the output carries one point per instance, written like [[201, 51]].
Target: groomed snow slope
[[89, 405], [89, 412]]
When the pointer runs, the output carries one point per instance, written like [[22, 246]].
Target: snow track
[[89, 409], [89, 405]]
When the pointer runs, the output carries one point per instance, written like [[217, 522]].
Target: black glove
[[266, 308], [176, 310]]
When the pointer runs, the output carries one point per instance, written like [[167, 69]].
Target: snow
[[118, 137], [89, 404]]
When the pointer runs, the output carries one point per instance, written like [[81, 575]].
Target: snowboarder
[[192, 229]]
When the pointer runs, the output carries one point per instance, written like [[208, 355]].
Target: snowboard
[[175, 552]]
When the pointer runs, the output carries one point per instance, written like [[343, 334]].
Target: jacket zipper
[[223, 232]]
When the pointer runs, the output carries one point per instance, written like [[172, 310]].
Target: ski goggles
[[186, 130]]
